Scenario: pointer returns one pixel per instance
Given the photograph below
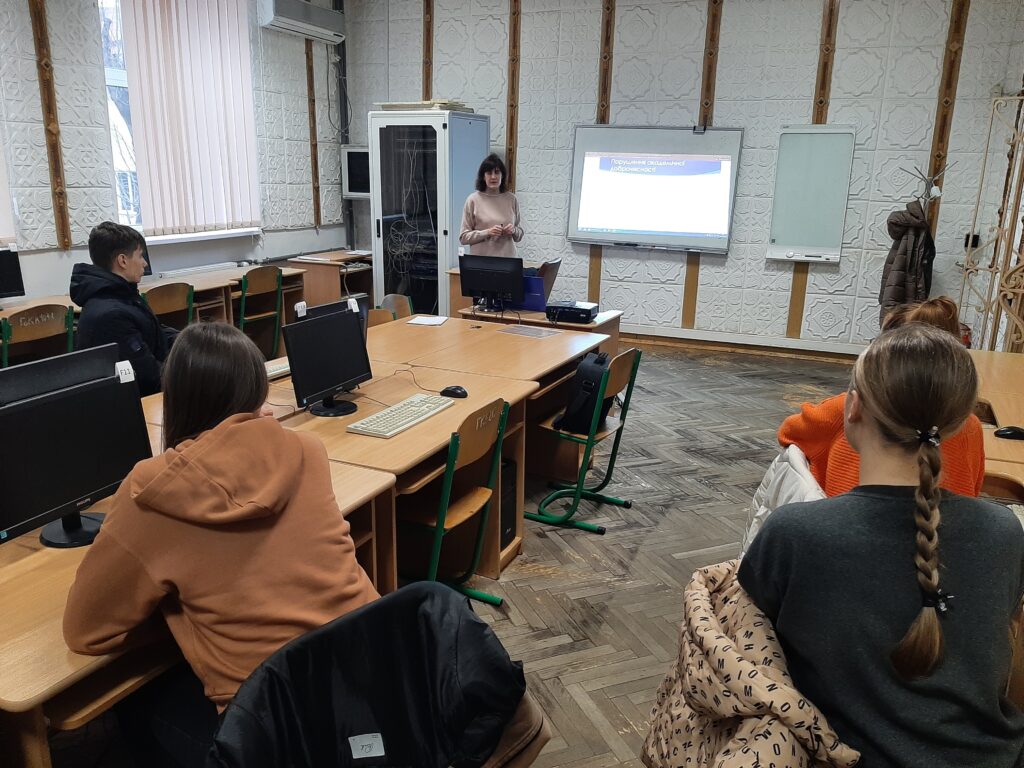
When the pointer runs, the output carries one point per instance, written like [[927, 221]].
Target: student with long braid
[[893, 602]]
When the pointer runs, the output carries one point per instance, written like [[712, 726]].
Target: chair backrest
[[42, 322], [46, 321], [620, 372], [397, 303], [339, 681], [170, 297], [478, 432], [379, 317], [548, 271], [264, 279]]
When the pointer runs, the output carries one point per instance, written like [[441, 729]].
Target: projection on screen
[[655, 187], [675, 195]]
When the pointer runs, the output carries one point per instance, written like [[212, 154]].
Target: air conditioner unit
[[302, 18]]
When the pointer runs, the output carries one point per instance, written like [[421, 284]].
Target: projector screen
[[655, 187]]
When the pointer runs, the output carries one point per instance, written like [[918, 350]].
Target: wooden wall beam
[[515, 23], [951, 59], [51, 123], [712, 39], [428, 49], [314, 154], [706, 114], [822, 95], [604, 104]]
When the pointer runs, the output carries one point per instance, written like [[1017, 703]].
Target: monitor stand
[[332, 407], [72, 530], [491, 306]]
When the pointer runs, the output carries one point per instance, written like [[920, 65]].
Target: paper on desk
[[428, 320], [361, 253]]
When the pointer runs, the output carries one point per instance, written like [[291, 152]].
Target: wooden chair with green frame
[[480, 432], [55, 322], [175, 299], [618, 377], [260, 300]]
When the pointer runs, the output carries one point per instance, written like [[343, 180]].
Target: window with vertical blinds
[[8, 235], [190, 87]]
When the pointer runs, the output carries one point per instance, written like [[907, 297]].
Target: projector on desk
[[581, 312]]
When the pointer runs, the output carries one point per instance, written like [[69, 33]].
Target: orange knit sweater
[[818, 431]]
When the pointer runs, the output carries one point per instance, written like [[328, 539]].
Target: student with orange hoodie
[[233, 534], [818, 429]]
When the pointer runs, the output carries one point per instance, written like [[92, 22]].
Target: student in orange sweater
[[233, 534], [818, 429]]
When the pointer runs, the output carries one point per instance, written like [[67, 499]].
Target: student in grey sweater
[[893, 602]]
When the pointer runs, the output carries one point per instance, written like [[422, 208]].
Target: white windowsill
[[216, 234]]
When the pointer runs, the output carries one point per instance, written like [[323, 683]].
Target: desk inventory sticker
[[366, 745]]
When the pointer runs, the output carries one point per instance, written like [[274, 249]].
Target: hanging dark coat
[[907, 276]]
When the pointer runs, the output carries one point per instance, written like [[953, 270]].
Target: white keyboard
[[277, 369], [400, 416]]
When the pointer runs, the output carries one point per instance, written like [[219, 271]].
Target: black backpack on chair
[[582, 400]]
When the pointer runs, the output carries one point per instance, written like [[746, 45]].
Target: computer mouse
[[1011, 433], [455, 391]]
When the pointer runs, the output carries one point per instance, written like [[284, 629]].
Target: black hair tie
[[938, 600], [928, 436]]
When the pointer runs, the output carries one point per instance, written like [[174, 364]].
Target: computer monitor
[[340, 306], [11, 283], [327, 356], [496, 279], [148, 271], [355, 172], [52, 406]]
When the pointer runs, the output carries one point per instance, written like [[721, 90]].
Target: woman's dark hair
[[490, 163], [213, 371], [108, 239]]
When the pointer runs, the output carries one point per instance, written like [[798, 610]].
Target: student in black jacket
[[112, 310]]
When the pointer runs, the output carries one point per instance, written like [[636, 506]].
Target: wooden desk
[[43, 682], [327, 273], [1000, 448], [400, 342], [999, 372], [10, 307], [606, 322], [1004, 480], [518, 357], [417, 456]]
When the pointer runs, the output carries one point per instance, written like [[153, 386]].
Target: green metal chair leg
[[476, 594]]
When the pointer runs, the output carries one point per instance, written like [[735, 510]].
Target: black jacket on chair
[[114, 312], [412, 679]]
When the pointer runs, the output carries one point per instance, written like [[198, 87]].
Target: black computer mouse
[[1011, 433], [455, 391]]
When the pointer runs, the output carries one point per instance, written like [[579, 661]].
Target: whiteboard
[[670, 188], [812, 185]]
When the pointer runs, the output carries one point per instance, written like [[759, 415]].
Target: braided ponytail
[[909, 378], [920, 651]]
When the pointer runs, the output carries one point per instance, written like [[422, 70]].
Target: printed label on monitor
[[125, 372], [626, 193]]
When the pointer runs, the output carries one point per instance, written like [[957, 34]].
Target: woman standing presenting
[[490, 219]]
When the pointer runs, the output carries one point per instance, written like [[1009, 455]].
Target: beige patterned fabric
[[729, 701]]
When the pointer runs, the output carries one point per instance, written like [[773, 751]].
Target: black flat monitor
[[338, 306], [11, 283], [498, 280], [148, 271], [54, 406], [327, 356]]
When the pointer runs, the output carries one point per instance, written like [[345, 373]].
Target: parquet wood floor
[[594, 618]]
